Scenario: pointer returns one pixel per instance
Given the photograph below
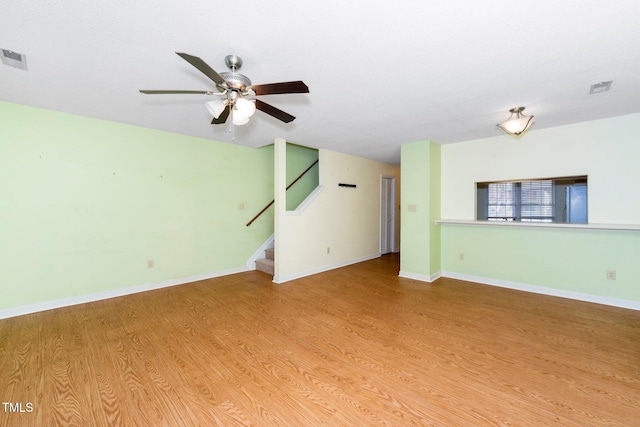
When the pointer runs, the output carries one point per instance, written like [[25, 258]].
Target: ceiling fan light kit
[[517, 123], [239, 119], [245, 107], [232, 88], [216, 106]]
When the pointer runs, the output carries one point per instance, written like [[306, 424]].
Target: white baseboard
[[420, 277], [289, 277], [615, 302], [97, 296]]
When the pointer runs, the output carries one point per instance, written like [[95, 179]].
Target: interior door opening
[[387, 214]]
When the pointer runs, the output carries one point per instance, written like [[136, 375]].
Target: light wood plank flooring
[[356, 346]]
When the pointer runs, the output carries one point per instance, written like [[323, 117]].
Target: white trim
[[420, 277], [259, 253], [306, 202], [618, 227], [98, 296], [615, 302], [289, 277], [393, 212]]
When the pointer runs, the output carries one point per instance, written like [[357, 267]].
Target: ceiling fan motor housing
[[237, 81]]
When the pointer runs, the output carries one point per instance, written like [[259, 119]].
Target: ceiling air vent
[[14, 59], [600, 87]]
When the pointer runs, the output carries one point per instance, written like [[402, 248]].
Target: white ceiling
[[380, 73]]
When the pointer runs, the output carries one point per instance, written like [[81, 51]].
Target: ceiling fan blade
[[163, 92], [222, 117], [280, 88], [203, 67], [274, 112]]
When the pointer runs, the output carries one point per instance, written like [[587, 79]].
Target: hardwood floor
[[353, 346]]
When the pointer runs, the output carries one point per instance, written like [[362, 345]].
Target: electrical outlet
[[328, 249], [461, 257], [150, 263], [611, 275]]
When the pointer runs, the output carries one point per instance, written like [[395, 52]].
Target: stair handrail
[[288, 187]]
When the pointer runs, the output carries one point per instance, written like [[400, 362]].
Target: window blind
[[536, 201], [502, 201]]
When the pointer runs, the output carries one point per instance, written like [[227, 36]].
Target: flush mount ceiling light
[[517, 123]]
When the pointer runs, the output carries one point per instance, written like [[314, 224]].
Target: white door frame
[[391, 202]]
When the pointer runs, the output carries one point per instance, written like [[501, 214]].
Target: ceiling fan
[[232, 88]]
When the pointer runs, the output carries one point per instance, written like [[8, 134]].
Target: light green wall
[[85, 203], [435, 260], [420, 195], [299, 158], [571, 260], [564, 259]]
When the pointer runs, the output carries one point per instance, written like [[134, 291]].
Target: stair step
[[265, 265], [270, 253]]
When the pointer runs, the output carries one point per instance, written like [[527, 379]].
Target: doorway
[[387, 214]]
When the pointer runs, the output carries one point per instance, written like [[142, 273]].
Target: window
[[539, 200]]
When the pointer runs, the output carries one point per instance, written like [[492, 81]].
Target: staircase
[[266, 264]]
